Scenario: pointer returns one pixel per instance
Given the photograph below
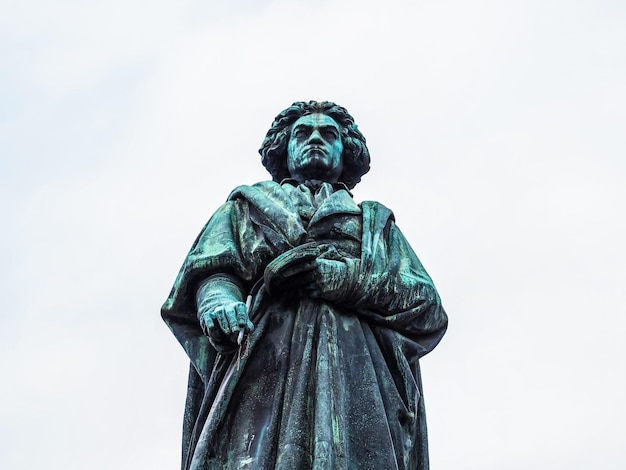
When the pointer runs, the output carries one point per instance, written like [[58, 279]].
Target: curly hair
[[356, 157]]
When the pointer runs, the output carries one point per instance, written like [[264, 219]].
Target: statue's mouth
[[315, 149]]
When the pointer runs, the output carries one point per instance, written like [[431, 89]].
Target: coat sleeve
[[228, 244]]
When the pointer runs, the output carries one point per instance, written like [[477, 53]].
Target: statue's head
[[315, 140]]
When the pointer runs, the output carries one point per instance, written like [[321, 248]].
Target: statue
[[304, 315]]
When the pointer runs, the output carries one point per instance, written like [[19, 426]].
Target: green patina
[[319, 368]]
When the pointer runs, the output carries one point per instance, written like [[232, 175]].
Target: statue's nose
[[316, 137]]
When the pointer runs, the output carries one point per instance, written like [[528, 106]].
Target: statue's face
[[315, 149]]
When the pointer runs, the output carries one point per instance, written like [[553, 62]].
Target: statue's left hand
[[323, 274], [323, 279]]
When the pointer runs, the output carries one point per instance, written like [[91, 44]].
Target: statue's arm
[[315, 270], [222, 312], [219, 270]]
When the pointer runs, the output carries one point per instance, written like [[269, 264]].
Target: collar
[[315, 185]]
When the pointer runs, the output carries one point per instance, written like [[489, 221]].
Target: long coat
[[316, 384]]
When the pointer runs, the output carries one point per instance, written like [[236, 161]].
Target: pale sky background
[[498, 135]]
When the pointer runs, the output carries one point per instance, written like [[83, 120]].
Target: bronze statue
[[304, 315]]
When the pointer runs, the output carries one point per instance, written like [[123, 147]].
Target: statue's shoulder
[[260, 189], [377, 209]]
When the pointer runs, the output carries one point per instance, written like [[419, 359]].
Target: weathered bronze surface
[[304, 315]]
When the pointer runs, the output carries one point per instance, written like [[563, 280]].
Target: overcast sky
[[498, 136]]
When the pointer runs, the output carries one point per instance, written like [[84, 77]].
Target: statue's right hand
[[229, 318]]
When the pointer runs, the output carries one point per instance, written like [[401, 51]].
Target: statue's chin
[[320, 175], [317, 166]]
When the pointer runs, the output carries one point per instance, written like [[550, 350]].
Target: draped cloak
[[316, 384]]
